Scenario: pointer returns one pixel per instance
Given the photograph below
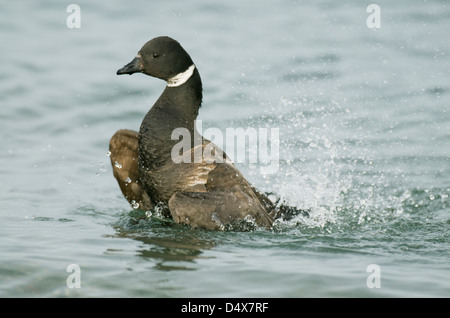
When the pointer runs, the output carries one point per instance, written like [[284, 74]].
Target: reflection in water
[[169, 245]]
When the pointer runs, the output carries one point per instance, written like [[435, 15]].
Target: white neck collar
[[181, 78]]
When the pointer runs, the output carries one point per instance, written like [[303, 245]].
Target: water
[[364, 125]]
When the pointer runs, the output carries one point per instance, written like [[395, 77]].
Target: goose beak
[[135, 66]]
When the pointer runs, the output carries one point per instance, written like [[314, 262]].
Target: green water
[[364, 126]]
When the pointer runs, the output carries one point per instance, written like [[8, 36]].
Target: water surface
[[364, 125]]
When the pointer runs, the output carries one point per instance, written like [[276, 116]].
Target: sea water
[[361, 99]]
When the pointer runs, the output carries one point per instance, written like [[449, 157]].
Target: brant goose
[[210, 195]]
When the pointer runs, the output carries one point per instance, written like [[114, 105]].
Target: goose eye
[[155, 55]]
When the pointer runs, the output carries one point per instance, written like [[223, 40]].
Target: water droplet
[[406, 194], [128, 180], [148, 214], [134, 204], [108, 153], [432, 197], [118, 165], [102, 167]]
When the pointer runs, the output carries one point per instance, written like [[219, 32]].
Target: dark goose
[[206, 195]]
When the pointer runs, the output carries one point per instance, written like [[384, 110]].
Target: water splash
[[134, 204], [102, 167], [336, 178]]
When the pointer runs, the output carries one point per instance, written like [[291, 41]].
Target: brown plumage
[[202, 195], [210, 195], [123, 148]]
